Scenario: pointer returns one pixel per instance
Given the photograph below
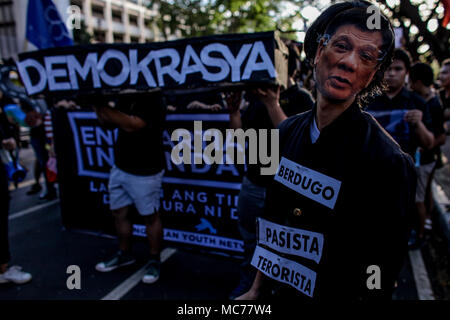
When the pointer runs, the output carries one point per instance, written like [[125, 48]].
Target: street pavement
[[44, 248], [40, 244]]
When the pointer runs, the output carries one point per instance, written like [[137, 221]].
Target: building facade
[[8, 33], [107, 21], [119, 20]]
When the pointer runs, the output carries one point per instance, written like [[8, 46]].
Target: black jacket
[[369, 222]]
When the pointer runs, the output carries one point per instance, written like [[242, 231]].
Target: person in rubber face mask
[[337, 211], [345, 64]]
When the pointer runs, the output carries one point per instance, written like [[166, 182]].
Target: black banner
[[198, 202], [204, 62]]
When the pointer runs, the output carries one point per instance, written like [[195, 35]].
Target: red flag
[[446, 19]]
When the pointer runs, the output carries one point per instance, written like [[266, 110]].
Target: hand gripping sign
[[225, 60]]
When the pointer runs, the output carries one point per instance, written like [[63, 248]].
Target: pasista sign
[[196, 62], [289, 241]]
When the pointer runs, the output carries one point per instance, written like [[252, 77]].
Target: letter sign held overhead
[[204, 62]]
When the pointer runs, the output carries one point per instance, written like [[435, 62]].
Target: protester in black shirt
[[412, 131], [136, 176], [258, 115], [295, 99], [253, 188], [421, 80], [335, 223], [38, 140], [406, 116]]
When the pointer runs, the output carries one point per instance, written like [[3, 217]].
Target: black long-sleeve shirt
[[403, 132]]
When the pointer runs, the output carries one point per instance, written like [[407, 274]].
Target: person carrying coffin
[[257, 114], [136, 177]]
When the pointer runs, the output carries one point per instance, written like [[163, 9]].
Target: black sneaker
[[120, 259], [35, 188]]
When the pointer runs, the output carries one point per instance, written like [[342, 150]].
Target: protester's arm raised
[[233, 102]]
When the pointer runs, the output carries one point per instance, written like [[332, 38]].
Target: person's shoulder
[[416, 98], [293, 124], [302, 91], [294, 120], [306, 96], [376, 102], [435, 102]]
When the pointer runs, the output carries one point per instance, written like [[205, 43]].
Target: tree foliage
[[188, 18], [81, 35], [421, 21]]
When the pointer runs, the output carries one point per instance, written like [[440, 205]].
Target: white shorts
[[143, 191]]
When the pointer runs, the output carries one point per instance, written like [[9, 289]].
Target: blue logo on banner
[[204, 225]]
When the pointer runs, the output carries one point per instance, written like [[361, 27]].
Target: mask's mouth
[[341, 80]]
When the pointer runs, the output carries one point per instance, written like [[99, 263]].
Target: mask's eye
[[341, 46], [367, 57]]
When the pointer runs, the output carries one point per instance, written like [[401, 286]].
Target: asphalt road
[[43, 247]]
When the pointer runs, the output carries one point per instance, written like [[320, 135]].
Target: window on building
[[98, 11], [118, 37], [8, 44], [117, 16], [99, 36], [77, 3], [134, 39], [133, 20]]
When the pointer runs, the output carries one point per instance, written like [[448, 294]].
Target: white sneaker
[[14, 274], [153, 271]]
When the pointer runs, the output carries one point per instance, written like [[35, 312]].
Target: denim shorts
[[143, 191], [250, 205]]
